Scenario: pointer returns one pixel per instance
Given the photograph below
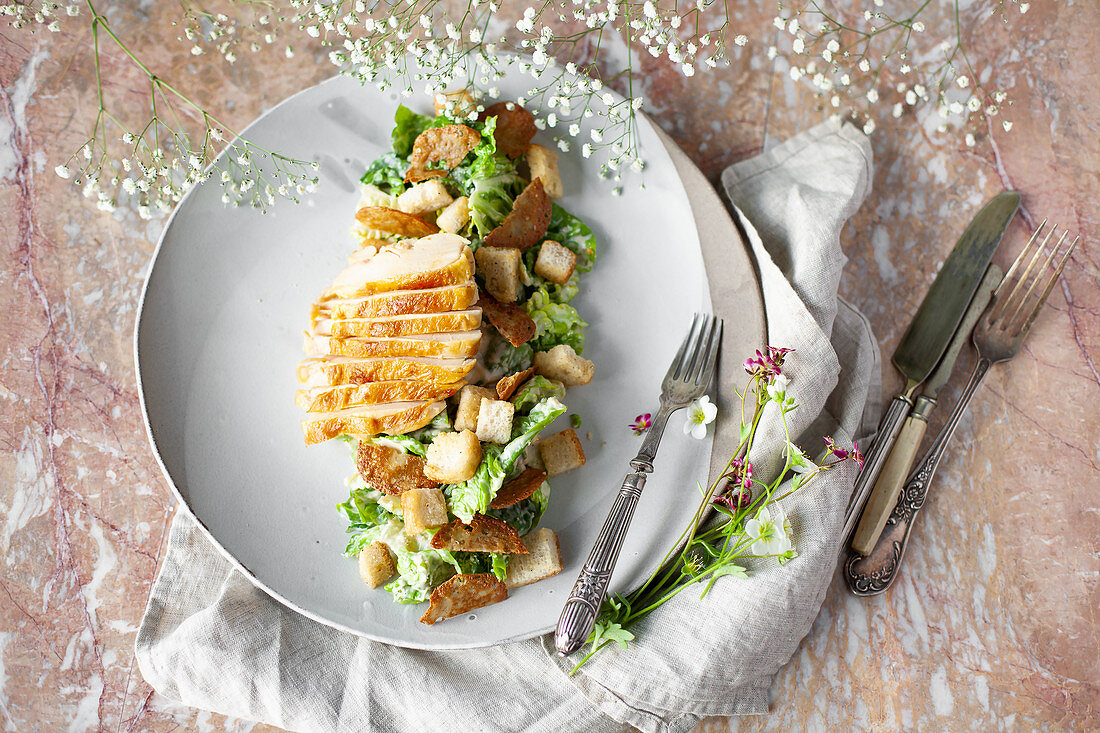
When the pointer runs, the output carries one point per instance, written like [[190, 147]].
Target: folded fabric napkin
[[213, 640]]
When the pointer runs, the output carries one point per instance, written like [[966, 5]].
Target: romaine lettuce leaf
[[407, 126], [574, 234], [535, 390], [419, 571], [366, 518], [500, 565], [387, 173], [558, 323]]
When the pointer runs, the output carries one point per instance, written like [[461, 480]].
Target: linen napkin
[[213, 640]]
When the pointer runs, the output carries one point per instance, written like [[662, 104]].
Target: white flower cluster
[[852, 69], [47, 14]]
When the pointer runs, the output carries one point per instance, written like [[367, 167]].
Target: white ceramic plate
[[218, 338]]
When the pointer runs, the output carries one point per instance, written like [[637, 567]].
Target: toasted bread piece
[[542, 561], [342, 396], [507, 386], [447, 145], [494, 421], [462, 594], [509, 319], [526, 223], [441, 345], [469, 403], [555, 262], [393, 418], [500, 268], [519, 488], [543, 163], [328, 371], [389, 470], [413, 264], [455, 216], [563, 364], [424, 198], [562, 452], [515, 127], [407, 324], [375, 564], [394, 221], [482, 534], [422, 509], [399, 302], [453, 457], [458, 104]]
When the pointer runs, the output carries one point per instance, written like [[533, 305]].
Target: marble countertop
[[993, 622]]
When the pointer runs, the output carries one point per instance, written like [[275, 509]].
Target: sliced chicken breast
[[392, 418], [442, 345], [429, 262], [401, 325], [399, 302], [339, 397], [335, 370]]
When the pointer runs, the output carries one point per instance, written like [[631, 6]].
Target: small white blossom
[[62, 171], [700, 414], [771, 532]]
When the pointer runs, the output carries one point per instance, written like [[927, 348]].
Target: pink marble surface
[[992, 624]]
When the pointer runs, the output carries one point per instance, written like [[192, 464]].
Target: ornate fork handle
[[583, 605], [873, 574]]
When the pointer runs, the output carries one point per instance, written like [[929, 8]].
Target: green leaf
[[387, 173], [557, 323], [500, 565], [610, 631], [746, 430], [407, 126], [535, 390], [574, 234], [735, 570]]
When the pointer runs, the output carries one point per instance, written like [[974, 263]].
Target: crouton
[[507, 386], [423, 509], [482, 534], [455, 216], [500, 268], [561, 452], [393, 221], [526, 223], [463, 593], [543, 163], [519, 488], [469, 403], [514, 130], [459, 105], [510, 320], [389, 470], [494, 421], [563, 364], [447, 145], [424, 197], [375, 564], [453, 457], [555, 262], [542, 560]]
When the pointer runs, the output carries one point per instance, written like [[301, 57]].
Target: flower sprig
[[745, 517], [860, 62]]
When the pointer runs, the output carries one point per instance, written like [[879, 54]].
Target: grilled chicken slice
[[339, 397], [401, 325], [429, 262], [392, 418], [442, 345], [399, 302], [334, 370]]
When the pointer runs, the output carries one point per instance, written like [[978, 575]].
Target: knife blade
[[896, 469], [930, 331]]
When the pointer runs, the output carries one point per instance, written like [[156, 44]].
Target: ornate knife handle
[[583, 606], [873, 574], [874, 459]]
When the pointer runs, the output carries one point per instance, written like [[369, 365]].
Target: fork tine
[[1050, 286], [699, 350], [1002, 303], [1037, 279], [676, 360], [712, 354], [692, 354], [1016, 263]]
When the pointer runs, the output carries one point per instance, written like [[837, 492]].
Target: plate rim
[[183, 504]]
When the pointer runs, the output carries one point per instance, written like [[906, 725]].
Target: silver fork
[[687, 379], [998, 337]]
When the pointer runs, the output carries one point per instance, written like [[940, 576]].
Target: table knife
[[896, 469], [931, 330]]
